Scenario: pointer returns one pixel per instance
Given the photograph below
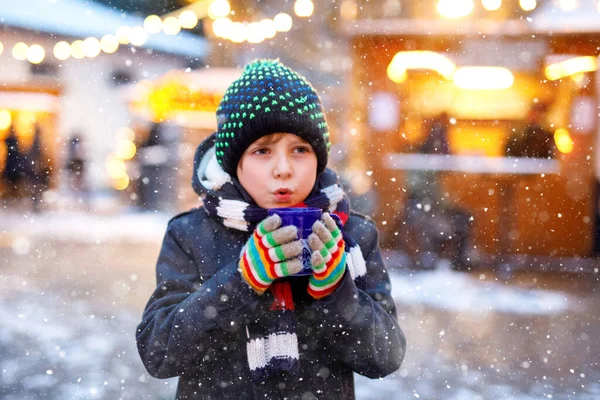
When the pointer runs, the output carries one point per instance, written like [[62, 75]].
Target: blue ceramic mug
[[303, 219]]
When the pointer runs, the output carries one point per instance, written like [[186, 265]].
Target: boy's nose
[[283, 168]]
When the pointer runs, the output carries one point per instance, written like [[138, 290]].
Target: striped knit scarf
[[272, 344]]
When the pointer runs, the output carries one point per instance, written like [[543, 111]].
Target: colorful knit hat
[[268, 98]]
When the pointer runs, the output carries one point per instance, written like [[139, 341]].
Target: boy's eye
[[260, 151], [302, 149]]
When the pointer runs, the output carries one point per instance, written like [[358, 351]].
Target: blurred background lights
[[222, 27], [138, 36], [563, 140], [77, 49], [5, 119], [62, 50], [36, 54], [91, 47], [125, 133], [19, 51], [268, 28], [570, 67], [153, 24], [171, 26], [528, 5], [188, 19], [126, 149], [491, 5], [483, 78], [115, 167], [121, 183], [568, 5], [1, 48], [454, 8], [219, 9], [237, 32], [283, 22], [123, 34], [109, 44], [254, 33], [405, 60], [304, 8]]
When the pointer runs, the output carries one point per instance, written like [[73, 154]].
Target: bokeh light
[[528, 5], [454, 8], [563, 140], [122, 34], [36, 54], [19, 51], [77, 49], [304, 8], [126, 149], [153, 24], [222, 27], [188, 19], [171, 26], [91, 47], [491, 5], [268, 28], [109, 44], [283, 22], [5, 119], [138, 36], [62, 50], [219, 9]]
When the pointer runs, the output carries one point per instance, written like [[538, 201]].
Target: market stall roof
[[548, 18], [79, 18]]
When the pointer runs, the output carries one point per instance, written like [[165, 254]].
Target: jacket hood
[[208, 175]]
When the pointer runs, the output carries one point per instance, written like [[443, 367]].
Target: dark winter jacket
[[194, 323]]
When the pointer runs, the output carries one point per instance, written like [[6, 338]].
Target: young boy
[[228, 316]]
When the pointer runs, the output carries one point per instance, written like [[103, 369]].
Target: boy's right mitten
[[270, 253]]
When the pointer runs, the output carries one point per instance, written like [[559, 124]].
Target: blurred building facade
[[64, 67], [484, 64]]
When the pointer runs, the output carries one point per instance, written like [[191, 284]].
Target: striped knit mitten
[[270, 253], [328, 258]]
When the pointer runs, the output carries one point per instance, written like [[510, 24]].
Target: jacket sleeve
[[186, 309], [365, 332]]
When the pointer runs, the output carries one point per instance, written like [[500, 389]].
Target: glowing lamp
[[153, 24], [219, 9], [62, 50], [483, 78], [304, 8], [563, 140], [454, 8], [36, 54], [283, 22]]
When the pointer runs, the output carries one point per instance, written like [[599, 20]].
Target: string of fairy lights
[[224, 27], [219, 12]]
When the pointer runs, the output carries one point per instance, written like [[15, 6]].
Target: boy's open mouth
[[283, 195]]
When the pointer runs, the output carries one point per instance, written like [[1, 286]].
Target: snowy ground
[[72, 288]]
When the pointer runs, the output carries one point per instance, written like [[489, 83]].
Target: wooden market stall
[[485, 75]]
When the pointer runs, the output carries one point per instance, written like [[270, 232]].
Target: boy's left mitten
[[270, 253], [328, 257]]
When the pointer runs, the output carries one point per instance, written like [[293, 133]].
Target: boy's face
[[278, 170]]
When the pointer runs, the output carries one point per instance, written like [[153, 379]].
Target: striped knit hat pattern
[[269, 98]]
